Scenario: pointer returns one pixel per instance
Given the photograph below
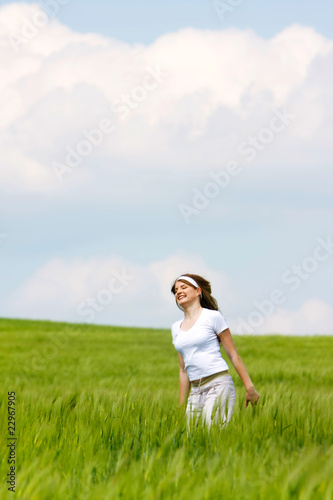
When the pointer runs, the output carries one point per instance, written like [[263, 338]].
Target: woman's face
[[185, 294]]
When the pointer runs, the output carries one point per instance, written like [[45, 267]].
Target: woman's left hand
[[251, 397]]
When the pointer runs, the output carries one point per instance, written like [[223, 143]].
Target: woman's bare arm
[[228, 344], [184, 381]]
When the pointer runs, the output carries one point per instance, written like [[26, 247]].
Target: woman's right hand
[[251, 397]]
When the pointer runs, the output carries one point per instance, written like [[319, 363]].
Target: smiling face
[[186, 294]]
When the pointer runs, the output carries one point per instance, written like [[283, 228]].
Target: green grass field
[[98, 417]]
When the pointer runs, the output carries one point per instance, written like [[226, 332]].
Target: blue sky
[[221, 84], [145, 21]]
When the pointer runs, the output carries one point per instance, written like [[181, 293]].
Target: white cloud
[[65, 283], [23, 171], [220, 88], [126, 293], [168, 269], [314, 316], [57, 289]]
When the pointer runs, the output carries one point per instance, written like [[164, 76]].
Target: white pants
[[213, 401]]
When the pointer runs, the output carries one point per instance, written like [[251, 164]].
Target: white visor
[[190, 280]]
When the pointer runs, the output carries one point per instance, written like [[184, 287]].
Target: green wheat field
[[98, 417]]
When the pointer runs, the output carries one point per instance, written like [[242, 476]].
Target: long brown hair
[[207, 300]]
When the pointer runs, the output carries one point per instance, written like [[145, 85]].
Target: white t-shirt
[[199, 346]]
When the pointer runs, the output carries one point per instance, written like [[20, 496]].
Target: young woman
[[203, 373]]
